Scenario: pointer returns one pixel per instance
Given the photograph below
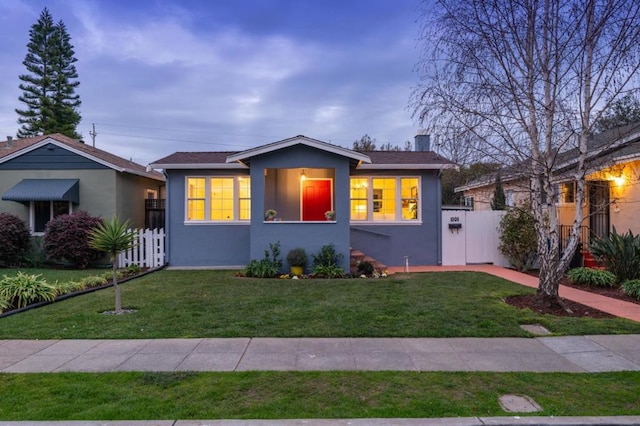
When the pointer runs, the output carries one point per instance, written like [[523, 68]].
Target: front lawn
[[173, 304], [281, 395]]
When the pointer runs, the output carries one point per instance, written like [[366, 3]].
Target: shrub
[[36, 257], [4, 304], [14, 239], [365, 268], [328, 271], [269, 267], [591, 277], [70, 287], [93, 281], [66, 238], [297, 257], [518, 239], [326, 256], [132, 269], [620, 254], [22, 289], [631, 288]]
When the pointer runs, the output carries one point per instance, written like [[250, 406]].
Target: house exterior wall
[[202, 245], [309, 235], [130, 195], [390, 243], [103, 191], [97, 189], [482, 196]]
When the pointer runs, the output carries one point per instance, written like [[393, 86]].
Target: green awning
[[44, 190]]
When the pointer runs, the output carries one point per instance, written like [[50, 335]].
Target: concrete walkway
[[615, 307], [541, 354]]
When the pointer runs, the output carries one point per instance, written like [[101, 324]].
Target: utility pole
[[93, 134]]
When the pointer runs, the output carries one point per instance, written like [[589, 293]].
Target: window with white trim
[[384, 199], [41, 212], [218, 199]]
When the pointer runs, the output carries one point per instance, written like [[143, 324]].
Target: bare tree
[[528, 78]]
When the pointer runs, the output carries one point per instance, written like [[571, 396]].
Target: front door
[[316, 198], [599, 208]]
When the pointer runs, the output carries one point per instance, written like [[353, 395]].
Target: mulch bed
[[570, 308]]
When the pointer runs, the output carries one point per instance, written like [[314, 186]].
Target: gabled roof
[[364, 160], [614, 146], [17, 147], [245, 156]]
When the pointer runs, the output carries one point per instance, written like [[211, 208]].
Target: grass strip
[[280, 395]]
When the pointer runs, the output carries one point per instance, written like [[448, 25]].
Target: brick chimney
[[422, 142]]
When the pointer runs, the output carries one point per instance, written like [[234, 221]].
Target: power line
[[172, 139]]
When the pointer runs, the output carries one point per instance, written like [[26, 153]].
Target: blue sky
[[207, 75]]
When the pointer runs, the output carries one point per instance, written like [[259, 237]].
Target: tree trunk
[[116, 287]]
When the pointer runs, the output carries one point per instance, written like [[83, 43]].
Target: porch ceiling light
[[303, 175]]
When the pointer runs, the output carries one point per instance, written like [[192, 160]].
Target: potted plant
[[270, 214], [330, 215], [297, 259]]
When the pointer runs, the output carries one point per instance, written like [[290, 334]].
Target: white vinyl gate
[[471, 237], [148, 252]]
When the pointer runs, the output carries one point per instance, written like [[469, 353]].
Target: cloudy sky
[[159, 76]]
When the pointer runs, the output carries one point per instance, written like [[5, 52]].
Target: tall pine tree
[[49, 87], [499, 200]]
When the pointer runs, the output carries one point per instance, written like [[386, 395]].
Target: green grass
[[216, 304], [137, 396], [53, 275]]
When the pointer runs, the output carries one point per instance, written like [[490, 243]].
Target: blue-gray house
[[385, 203]]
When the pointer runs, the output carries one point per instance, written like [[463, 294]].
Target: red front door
[[316, 198]]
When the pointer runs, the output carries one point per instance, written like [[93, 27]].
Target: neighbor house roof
[[364, 160], [613, 146], [10, 149]]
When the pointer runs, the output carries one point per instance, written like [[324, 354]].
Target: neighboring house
[[46, 176], [612, 191], [386, 204]]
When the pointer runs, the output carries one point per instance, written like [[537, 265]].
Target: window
[[468, 202], [41, 212], [384, 199], [509, 199], [359, 196], [566, 192], [218, 199]]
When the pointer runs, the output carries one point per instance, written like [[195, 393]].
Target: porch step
[[589, 261], [358, 257]]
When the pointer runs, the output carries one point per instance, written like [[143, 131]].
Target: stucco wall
[[201, 245], [310, 236], [389, 243], [131, 192], [97, 189]]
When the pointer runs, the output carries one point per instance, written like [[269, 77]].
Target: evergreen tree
[[499, 200], [49, 87], [624, 111], [364, 144]]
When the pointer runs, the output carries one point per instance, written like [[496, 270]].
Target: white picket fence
[[148, 252]]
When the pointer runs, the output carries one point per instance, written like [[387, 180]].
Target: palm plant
[[113, 237]]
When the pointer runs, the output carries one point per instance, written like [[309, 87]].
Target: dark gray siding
[[50, 157]]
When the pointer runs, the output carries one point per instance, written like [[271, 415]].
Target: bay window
[[218, 199]]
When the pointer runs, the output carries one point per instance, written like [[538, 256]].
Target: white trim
[[207, 201], [50, 140], [398, 201], [298, 140]]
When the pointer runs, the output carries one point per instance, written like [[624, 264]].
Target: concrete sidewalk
[[541, 354]]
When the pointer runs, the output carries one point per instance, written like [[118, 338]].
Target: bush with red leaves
[[66, 239], [14, 239]]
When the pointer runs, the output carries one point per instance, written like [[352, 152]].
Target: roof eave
[[429, 166], [195, 166]]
